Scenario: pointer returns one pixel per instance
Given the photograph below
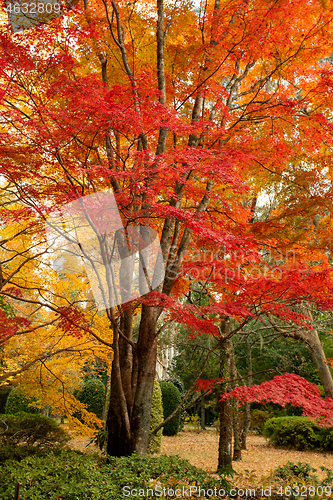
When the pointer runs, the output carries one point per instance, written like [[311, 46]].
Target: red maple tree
[[288, 388], [186, 115]]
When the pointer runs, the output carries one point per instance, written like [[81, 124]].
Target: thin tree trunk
[[237, 453], [146, 363], [106, 400], [247, 420], [311, 338], [225, 440], [203, 414], [319, 359]]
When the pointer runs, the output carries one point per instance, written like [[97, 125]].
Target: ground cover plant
[[72, 475]]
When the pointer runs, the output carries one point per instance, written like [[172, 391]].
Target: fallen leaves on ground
[[201, 450]]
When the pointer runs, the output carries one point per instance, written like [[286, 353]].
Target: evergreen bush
[[170, 398], [156, 418], [92, 395], [29, 429], [17, 402], [299, 433]]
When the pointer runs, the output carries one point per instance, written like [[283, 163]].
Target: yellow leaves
[[53, 380], [46, 361], [323, 3], [89, 424]]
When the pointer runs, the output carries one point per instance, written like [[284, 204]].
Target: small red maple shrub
[[287, 388]]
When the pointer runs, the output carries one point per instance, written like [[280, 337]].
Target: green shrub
[[71, 476], [17, 402], [92, 395], [156, 418], [295, 479], [290, 470], [299, 433], [170, 398], [31, 430]]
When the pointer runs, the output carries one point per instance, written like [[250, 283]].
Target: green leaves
[[32, 430], [71, 475], [299, 433], [170, 398]]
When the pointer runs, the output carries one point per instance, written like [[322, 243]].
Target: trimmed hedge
[[170, 398], [156, 418], [25, 428], [92, 395], [17, 402], [299, 433]]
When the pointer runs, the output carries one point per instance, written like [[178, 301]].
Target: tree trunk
[[106, 400], [118, 442], [128, 426], [237, 454], [45, 411], [247, 419], [311, 338], [203, 414], [318, 356], [225, 440], [246, 426]]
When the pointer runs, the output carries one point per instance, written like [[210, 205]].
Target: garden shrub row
[[299, 433]]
